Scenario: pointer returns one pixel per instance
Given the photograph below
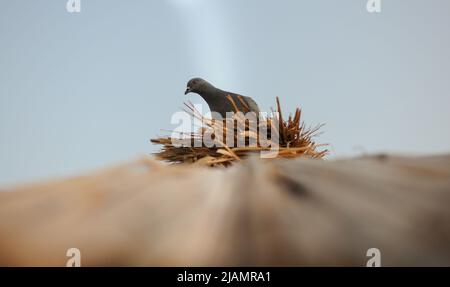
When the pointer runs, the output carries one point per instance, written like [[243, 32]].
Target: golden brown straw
[[295, 140]]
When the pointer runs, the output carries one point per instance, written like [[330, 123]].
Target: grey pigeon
[[217, 98]]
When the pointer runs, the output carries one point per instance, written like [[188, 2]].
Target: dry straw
[[294, 138]]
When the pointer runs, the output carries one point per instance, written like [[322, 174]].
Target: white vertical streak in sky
[[210, 47]]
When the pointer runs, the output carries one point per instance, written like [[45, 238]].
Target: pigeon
[[217, 99]]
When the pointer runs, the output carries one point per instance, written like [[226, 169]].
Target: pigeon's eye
[[194, 82]]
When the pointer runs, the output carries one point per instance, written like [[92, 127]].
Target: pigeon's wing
[[252, 104], [249, 102]]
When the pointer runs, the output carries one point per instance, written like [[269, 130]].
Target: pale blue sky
[[84, 90]]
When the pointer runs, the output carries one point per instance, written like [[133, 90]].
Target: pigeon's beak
[[188, 90]]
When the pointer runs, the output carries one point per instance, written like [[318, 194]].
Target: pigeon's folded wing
[[252, 104]]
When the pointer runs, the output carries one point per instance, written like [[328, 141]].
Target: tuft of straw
[[294, 138]]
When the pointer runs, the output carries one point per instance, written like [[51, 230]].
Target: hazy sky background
[[84, 90]]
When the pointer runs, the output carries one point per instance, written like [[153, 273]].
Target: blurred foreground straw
[[299, 212]]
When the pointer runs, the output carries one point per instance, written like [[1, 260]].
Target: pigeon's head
[[195, 85]]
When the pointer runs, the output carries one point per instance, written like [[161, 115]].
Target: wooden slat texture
[[296, 212]]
